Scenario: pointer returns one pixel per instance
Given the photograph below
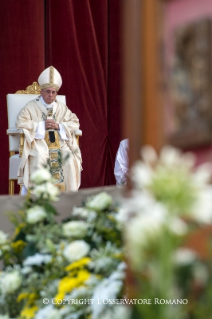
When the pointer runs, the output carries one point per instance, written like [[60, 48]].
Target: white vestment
[[36, 151], [121, 168]]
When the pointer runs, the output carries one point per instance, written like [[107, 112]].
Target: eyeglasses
[[50, 92]]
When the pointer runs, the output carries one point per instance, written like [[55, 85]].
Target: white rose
[[10, 282], [3, 238], [40, 176], [76, 250], [47, 190], [36, 214], [77, 229], [100, 201]]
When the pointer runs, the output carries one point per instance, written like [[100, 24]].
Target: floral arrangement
[[171, 202], [76, 269], [63, 271]]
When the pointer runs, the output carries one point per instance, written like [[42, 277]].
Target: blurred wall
[[178, 12]]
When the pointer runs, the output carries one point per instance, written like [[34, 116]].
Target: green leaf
[[29, 250], [50, 209]]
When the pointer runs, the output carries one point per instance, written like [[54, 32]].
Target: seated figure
[[121, 168], [49, 127]]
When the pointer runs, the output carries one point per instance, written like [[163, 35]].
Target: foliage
[[61, 262], [170, 202]]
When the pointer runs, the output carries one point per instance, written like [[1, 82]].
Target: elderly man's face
[[49, 95]]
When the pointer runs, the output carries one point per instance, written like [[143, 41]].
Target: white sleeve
[[40, 132], [121, 165], [63, 133]]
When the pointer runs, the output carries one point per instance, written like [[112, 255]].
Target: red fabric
[[21, 60], [82, 43], [80, 38], [113, 89]]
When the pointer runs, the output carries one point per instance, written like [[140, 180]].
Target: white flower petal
[[35, 214], [202, 174], [76, 250], [100, 201], [177, 226], [47, 190], [37, 260], [77, 229], [202, 209], [40, 176], [170, 156], [3, 238], [149, 155], [141, 174], [184, 256], [10, 282]]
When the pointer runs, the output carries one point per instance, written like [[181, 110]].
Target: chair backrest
[[15, 102]]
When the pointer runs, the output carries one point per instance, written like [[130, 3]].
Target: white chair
[[15, 102]]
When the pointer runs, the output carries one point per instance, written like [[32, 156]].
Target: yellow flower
[[18, 245], [33, 296], [28, 313], [78, 264], [67, 284], [59, 296], [30, 297], [22, 296], [18, 229], [83, 275]]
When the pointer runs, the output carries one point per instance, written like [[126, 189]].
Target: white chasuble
[[37, 152]]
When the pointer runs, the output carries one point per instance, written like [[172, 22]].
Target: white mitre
[[50, 78]]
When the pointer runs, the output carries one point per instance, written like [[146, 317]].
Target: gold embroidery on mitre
[[49, 85], [51, 75]]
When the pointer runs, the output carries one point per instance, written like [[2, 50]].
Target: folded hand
[[51, 124]]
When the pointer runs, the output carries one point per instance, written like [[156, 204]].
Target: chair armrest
[[78, 132], [14, 131]]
